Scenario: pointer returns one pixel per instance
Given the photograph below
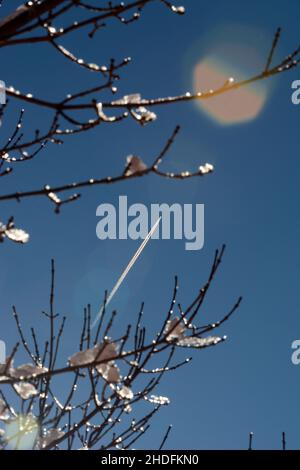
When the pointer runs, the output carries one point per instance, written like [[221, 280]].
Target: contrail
[[127, 269]]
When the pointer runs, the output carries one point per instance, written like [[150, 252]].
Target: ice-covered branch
[[104, 378]]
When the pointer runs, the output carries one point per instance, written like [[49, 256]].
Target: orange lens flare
[[234, 106]]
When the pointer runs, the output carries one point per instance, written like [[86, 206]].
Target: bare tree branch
[[104, 379]]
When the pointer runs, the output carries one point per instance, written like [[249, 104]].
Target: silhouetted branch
[[134, 168], [250, 440], [41, 21], [165, 437], [283, 441], [100, 380]]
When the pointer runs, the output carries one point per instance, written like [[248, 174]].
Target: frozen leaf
[[2, 232], [82, 357], [207, 168], [134, 98], [125, 393], [28, 370], [179, 10], [134, 165], [143, 115], [140, 113], [176, 332], [194, 342], [106, 350], [100, 352], [158, 400], [3, 378], [51, 436], [17, 235], [25, 390], [109, 371], [4, 412]]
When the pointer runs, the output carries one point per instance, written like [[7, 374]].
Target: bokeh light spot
[[21, 432], [233, 57]]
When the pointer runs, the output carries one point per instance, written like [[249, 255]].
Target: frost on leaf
[[17, 235], [28, 370], [106, 350], [134, 98], [175, 328], [100, 352], [134, 165], [2, 232], [82, 357], [51, 436], [4, 412], [25, 390], [125, 393], [158, 400], [207, 168], [14, 234], [140, 112], [109, 371], [143, 115], [194, 342], [179, 10]]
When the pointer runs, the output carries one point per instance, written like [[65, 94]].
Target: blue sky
[[251, 203]]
